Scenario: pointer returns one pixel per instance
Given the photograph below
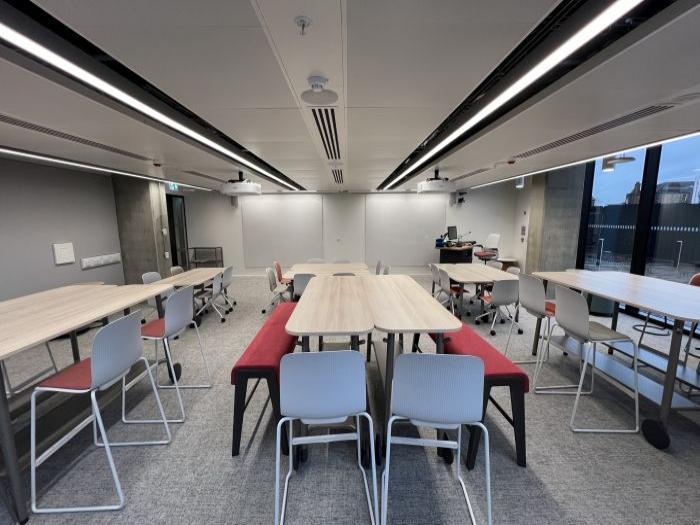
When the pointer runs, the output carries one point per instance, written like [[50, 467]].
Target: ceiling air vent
[[199, 174], [337, 176], [328, 130], [66, 136], [606, 126], [471, 173]]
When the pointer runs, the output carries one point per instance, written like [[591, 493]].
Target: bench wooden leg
[[274, 389], [238, 410], [517, 403], [475, 433]]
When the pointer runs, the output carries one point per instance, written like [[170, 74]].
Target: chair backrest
[[532, 295], [438, 389], [301, 280], [278, 270], [572, 313], [495, 264], [179, 311], [115, 349], [272, 281], [492, 241], [322, 386], [514, 270], [343, 274], [150, 277], [695, 280], [434, 272], [378, 268], [504, 293], [386, 270], [176, 270], [342, 261], [216, 284], [316, 260], [227, 277], [444, 281]]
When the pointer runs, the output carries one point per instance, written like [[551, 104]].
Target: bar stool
[[115, 349], [176, 270], [532, 299], [178, 316], [323, 389], [443, 392]]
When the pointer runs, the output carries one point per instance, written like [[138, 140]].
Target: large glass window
[[673, 252], [613, 213]]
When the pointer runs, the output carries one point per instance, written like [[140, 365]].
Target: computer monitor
[[452, 233]]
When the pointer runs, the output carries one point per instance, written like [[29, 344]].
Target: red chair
[[278, 271], [489, 250]]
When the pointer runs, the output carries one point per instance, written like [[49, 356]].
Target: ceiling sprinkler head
[[302, 23]]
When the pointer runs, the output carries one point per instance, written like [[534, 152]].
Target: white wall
[[398, 228], [41, 205]]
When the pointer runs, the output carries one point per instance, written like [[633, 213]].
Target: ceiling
[[399, 68]]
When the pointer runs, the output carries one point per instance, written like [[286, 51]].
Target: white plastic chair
[[503, 295], [115, 349], [443, 392], [532, 299], [435, 275], [514, 270], [446, 289], [209, 297], [226, 281], [323, 388], [150, 278], [495, 264], [277, 290], [573, 317], [176, 270], [301, 280]]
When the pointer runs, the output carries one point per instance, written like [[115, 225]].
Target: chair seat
[[455, 288], [74, 377], [487, 298], [154, 329], [550, 308], [599, 332], [485, 254], [496, 365]]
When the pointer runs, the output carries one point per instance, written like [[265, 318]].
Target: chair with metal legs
[[435, 276], [277, 290], [573, 317], [323, 389], [443, 392], [447, 293], [115, 349], [176, 270], [226, 281], [209, 297], [502, 296], [149, 278], [178, 316]]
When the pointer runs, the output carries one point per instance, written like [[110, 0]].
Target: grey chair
[[435, 276], [277, 289], [11, 390], [503, 295], [378, 268], [209, 297], [316, 260], [573, 317], [301, 281], [176, 270], [446, 294], [532, 299], [443, 392], [150, 278], [226, 281], [386, 270], [104, 368], [323, 388], [495, 264], [514, 270]]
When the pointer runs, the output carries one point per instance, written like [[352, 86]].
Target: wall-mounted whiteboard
[[401, 228], [288, 229]]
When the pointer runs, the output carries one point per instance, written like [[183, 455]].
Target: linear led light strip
[[91, 167], [578, 40], [37, 50], [584, 161]]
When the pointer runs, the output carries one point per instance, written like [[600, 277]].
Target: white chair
[[514, 270], [209, 297], [386, 270], [115, 349], [150, 278], [443, 392], [316, 260], [435, 276], [532, 299], [176, 270], [323, 389], [503, 295], [446, 290], [226, 281], [277, 290], [341, 261], [301, 280], [489, 249], [495, 264], [573, 317], [378, 268], [178, 316]]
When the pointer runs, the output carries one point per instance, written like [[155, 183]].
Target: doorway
[[177, 225]]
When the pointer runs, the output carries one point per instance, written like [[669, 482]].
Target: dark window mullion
[[585, 214], [645, 209]]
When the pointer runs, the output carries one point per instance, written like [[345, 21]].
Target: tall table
[[28, 321], [194, 277], [680, 302], [326, 269]]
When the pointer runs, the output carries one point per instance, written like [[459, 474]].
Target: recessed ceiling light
[[28, 155], [584, 35], [55, 60]]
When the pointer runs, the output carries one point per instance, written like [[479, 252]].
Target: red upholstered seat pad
[[468, 342], [550, 308], [75, 377], [155, 329], [485, 254], [269, 345]]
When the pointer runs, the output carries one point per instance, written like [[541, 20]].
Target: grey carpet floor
[[570, 478]]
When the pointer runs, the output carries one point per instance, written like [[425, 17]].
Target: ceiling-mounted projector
[[436, 184], [241, 187]]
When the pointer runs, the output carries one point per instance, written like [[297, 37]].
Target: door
[[177, 226]]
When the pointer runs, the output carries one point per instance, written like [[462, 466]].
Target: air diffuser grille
[[328, 131], [337, 176]]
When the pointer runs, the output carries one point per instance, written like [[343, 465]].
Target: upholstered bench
[[498, 371], [261, 360]]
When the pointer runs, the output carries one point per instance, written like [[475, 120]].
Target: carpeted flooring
[[570, 478]]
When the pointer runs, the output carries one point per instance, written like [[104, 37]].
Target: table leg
[[18, 503], [655, 430], [536, 338], [389, 373], [159, 307], [414, 347], [75, 348], [305, 347], [355, 342], [613, 321]]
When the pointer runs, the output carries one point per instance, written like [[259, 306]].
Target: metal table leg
[[655, 430], [613, 321], [75, 348], [18, 502], [355, 342]]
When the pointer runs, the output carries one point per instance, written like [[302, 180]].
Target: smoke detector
[[436, 184], [318, 95], [241, 187]]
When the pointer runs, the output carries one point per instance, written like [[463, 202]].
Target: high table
[[28, 321], [680, 302], [326, 269], [194, 277], [474, 273]]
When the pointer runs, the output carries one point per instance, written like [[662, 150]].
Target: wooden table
[[194, 277], [326, 269], [28, 321], [479, 274], [680, 302]]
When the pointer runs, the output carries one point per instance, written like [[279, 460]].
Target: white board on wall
[[284, 228], [400, 229], [344, 227]]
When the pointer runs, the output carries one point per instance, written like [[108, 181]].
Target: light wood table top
[[399, 304], [194, 277], [674, 300], [331, 306], [46, 315], [475, 273], [326, 269]]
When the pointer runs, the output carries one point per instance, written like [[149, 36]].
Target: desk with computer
[[452, 248]]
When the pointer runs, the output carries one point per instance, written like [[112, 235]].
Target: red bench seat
[[498, 371], [261, 360]]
